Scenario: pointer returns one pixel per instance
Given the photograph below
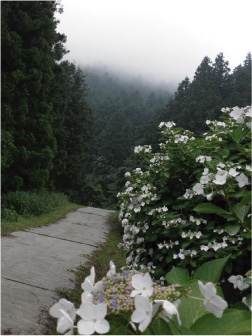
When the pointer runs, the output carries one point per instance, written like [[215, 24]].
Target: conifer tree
[[30, 47]]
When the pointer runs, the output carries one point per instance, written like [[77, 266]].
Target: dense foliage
[[30, 47], [191, 202], [46, 121]]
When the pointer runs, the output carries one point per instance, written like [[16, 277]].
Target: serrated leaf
[[211, 270], [210, 208], [232, 230], [177, 275], [233, 322]]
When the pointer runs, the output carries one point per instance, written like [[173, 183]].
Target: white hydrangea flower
[[125, 221], [221, 177], [242, 180], [213, 303], [142, 284], [189, 193], [204, 179], [92, 319], [238, 282], [198, 189], [232, 172], [65, 312], [237, 114]]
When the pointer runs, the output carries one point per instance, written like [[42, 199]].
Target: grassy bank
[[100, 260], [45, 219]]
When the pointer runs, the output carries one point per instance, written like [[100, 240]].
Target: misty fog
[[160, 41]]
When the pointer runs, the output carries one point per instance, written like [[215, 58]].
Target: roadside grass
[[100, 259], [41, 220]]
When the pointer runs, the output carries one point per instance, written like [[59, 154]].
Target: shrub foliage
[[190, 203]]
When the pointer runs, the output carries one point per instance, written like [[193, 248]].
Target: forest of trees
[[72, 129], [46, 121]]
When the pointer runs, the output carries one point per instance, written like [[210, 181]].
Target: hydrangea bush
[[130, 302], [191, 203]]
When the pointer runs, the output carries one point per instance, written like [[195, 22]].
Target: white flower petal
[[64, 305], [142, 303], [137, 281], [210, 290], [55, 310], [202, 288], [218, 302], [212, 308], [144, 324], [138, 316], [98, 287], [87, 311], [64, 324], [102, 326], [87, 286], [91, 277], [136, 292], [147, 280], [100, 311], [148, 292], [85, 327], [86, 297]]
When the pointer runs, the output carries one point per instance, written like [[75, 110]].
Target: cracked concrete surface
[[37, 261]]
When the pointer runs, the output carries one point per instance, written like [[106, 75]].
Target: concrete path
[[37, 261]]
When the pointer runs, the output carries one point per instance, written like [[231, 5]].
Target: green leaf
[[246, 199], [210, 208], [241, 211], [211, 270], [232, 230], [246, 235], [169, 258], [177, 275], [233, 322], [160, 327], [179, 330]]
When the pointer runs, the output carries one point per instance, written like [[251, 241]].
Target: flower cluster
[[118, 287], [132, 292]]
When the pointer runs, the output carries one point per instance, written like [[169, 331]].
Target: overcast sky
[[162, 40]]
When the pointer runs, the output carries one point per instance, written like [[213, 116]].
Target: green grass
[[26, 204], [45, 219], [100, 260]]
